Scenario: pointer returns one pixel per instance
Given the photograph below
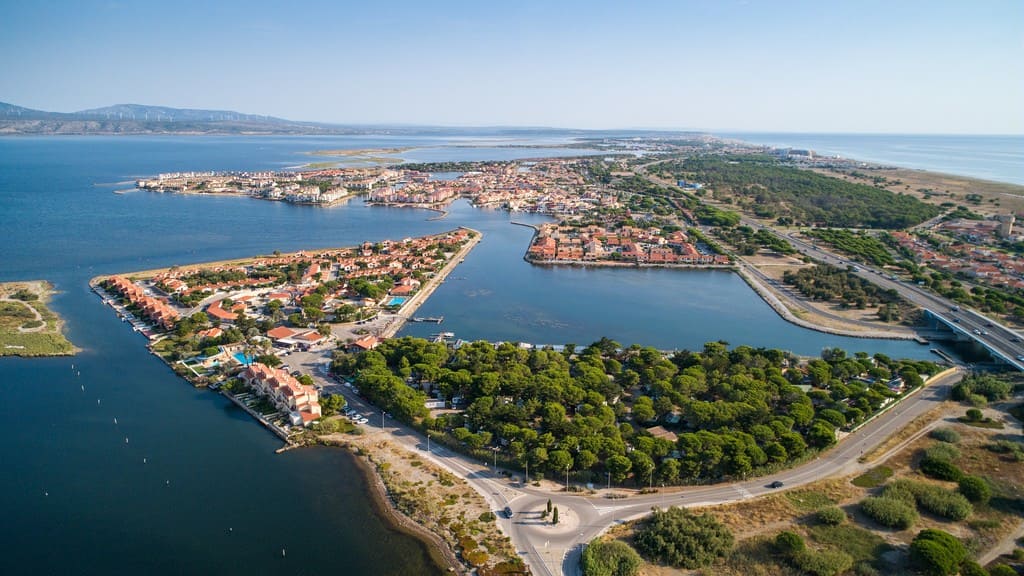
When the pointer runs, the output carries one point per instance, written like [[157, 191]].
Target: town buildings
[[299, 401]]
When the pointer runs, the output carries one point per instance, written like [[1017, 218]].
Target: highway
[[997, 338]]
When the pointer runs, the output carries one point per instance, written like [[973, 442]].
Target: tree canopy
[[682, 539]]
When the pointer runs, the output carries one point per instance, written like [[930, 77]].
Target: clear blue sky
[[897, 66]]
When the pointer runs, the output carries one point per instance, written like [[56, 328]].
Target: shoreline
[[766, 294], [410, 307], [786, 314], [22, 342], [439, 552]]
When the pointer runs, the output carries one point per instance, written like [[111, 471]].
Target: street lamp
[[382, 414], [566, 478], [609, 479]]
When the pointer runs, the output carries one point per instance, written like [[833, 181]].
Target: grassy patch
[[862, 544], [873, 478], [752, 557], [809, 500], [19, 314], [986, 423]]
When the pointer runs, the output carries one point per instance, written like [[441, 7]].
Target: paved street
[[551, 550]]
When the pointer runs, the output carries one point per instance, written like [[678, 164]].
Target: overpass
[[970, 326]]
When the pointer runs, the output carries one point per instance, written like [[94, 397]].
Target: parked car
[[776, 484]]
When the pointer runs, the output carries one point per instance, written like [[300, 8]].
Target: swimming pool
[[243, 359], [396, 301]]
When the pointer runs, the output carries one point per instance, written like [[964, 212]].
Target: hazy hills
[[141, 119]]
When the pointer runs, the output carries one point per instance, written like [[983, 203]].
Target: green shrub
[[937, 553], [874, 477], [823, 562], [946, 435], [682, 539], [975, 489], [934, 499], [972, 568], [612, 558], [940, 469], [974, 415], [864, 569], [977, 400], [788, 543], [831, 515], [901, 490], [942, 451], [1002, 570], [890, 512]]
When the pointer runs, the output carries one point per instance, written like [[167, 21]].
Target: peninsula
[[27, 326]]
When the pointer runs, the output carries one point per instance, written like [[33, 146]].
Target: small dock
[[943, 355]]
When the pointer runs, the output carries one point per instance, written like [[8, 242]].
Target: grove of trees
[[679, 538], [772, 189], [590, 411]]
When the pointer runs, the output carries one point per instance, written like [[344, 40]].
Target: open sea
[[184, 482], [998, 158]]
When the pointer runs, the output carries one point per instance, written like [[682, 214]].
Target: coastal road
[[971, 324], [999, 339], [550, 549]]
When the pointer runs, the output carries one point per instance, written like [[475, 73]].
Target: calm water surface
[[999, 158], [186, 483]]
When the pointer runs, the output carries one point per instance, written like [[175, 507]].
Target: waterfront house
[[158, 311], [300, 402]]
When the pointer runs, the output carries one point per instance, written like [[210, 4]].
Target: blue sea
[[997, 158]]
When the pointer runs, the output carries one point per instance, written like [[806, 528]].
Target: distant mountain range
[[141, 119]]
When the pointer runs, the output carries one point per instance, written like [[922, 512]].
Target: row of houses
[[153, 308], [593, 244], [301, 402]]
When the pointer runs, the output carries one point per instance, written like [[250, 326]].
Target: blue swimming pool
[[243, 359], [396, 301]]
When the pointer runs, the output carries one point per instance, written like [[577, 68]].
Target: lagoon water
[[184, 482]]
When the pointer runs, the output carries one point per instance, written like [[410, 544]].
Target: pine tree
[[554, 516]]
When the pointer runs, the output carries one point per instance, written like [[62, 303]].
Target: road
[[999, 339], [551, 550], [986, 331]]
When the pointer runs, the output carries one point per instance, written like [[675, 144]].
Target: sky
[[870, 66]]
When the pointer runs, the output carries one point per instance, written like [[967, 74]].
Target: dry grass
[[754, 522], [996, 197], [434, 499], [914, 427]]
